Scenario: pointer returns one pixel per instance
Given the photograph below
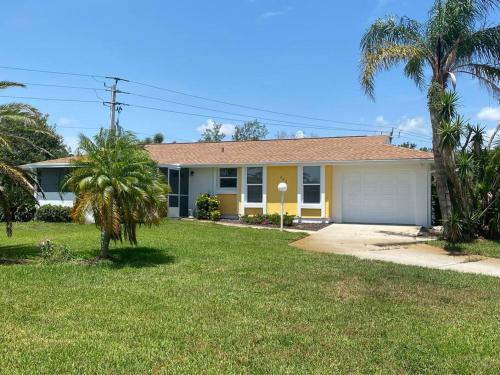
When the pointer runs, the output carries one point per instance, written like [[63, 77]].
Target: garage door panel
[[380, 196]]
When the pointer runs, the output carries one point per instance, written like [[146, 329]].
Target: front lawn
[[205, 298], [488, 248]]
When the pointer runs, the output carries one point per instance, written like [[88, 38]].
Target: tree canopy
[[213, 133], [250, 131]]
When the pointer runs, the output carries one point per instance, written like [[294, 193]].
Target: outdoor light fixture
[[282, 188]]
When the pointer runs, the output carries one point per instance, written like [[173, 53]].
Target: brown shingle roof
[[280, 151]]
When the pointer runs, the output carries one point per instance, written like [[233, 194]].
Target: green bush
[[54, 214], [52, 252], [22, 206], [272, 219], [207, 207], [215, 215]]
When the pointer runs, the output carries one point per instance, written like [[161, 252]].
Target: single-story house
[[357, 179]]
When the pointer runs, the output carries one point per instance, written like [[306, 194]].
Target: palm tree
[[454, 40], [12, 115], [117, 182]]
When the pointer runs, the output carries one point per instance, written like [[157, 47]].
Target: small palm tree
[[455, 40], [116, 181], [17, 114]]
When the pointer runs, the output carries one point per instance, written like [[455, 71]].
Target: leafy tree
[[281, 134], [456, 39], [250, 131], [118, 183], [147, 141], [19, 125], [408, 145], [213, 133], [34, 146], [158, 138], [29, 146]]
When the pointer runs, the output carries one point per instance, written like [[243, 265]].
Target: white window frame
[[300, 190], [244, 194], [225, 190]]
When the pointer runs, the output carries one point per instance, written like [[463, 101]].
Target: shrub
[[272, 219], [215, 215], [52, 252], [21, 212], [54, 214], [207, 207]]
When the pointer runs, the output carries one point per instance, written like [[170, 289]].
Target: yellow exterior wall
[[228, 204], [253, 211], [328, 191], [275, 175], [311, 213]]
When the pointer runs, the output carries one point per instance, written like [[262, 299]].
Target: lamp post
[[282, 187]]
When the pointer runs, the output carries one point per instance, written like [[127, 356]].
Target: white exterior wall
[[201, 180], [54, 198], [419, 195]]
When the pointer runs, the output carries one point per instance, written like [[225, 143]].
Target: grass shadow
[[19, 252], [140, 257], [455, 249]]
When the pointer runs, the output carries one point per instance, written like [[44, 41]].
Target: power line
[[318, 127], [62, 86], [253, 108], [50, 99], [305, 126], [416, 135], [208, 99], [189, 105], [94, 76], [52, 72]]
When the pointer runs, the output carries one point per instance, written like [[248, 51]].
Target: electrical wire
[[95, 76]]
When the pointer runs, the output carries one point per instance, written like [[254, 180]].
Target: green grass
[[204, 298], [488, 248]]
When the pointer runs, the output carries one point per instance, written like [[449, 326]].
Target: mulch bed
[[302, 226]]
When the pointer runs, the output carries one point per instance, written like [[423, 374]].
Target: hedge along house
[[360, 179]]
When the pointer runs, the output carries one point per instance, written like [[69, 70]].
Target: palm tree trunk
[[104, 244], [440, 173]]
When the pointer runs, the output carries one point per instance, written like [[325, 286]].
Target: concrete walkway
[[392, 243]]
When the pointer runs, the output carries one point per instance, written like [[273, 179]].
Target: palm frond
[[480, 46], [389, 31], [487, 75], [9, 84], [384, 58]]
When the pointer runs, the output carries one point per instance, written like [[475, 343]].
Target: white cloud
[[489, 114], [414, 125], [227, 129], [65, 121], [300, 134], [380, 120], [273, 13]]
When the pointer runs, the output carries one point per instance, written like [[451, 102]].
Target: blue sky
[[291, 56]]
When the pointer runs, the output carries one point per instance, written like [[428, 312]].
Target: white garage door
[[378, 196]]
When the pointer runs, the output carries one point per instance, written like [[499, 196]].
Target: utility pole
[[113, 104], [112, 125], [391, 136]]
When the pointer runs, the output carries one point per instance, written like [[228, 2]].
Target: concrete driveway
[[393, 243]]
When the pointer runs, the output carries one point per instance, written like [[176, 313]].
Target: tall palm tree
[[456, 39], [117, 182], [10, 175]]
